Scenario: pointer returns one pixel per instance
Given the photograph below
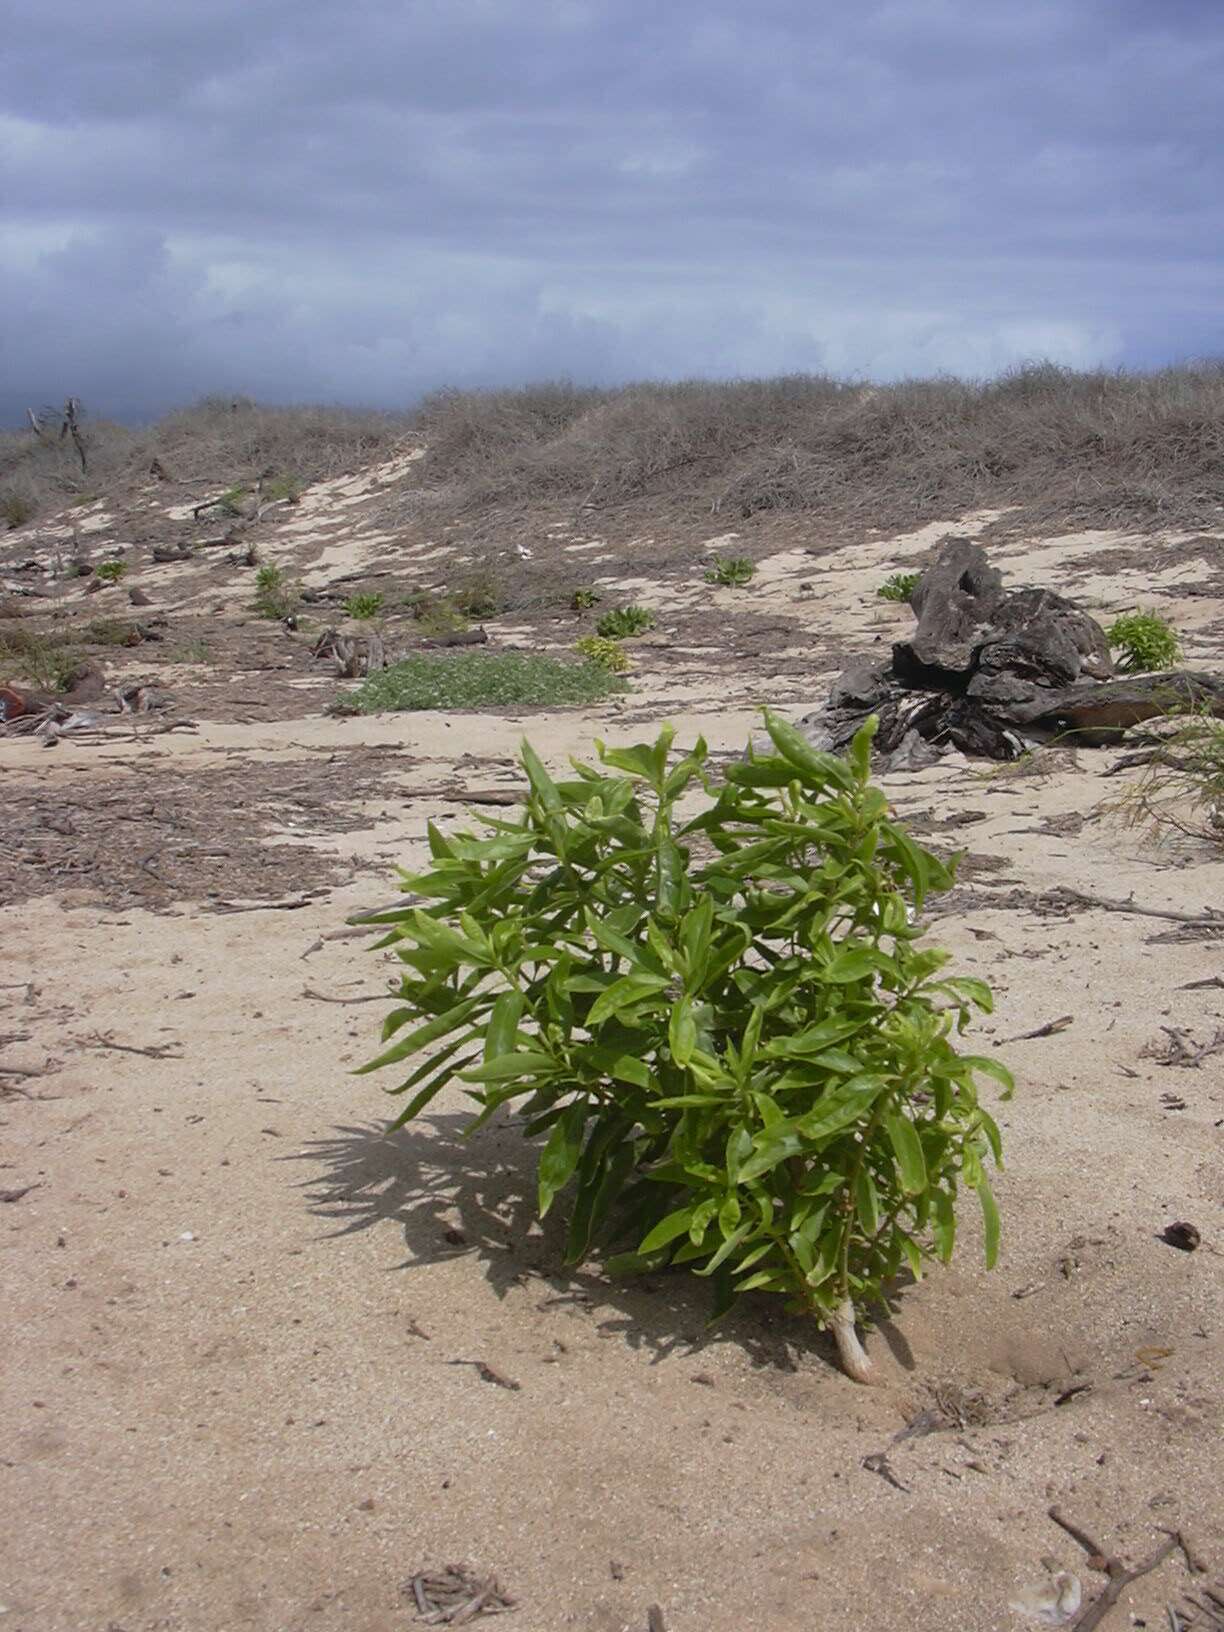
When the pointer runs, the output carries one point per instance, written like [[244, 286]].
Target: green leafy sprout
[[364, 606], [1148, 642], [276, 595], [738, 1055], [899, 587], [110, 572], [731, 571], [623, 622], [608, 654], [584, 599]]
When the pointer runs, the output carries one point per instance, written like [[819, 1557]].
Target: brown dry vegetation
[[219, 441], [1065, 448], [1054, 447]]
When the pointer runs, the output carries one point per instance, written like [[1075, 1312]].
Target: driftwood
[[353, 655], [992, 672]]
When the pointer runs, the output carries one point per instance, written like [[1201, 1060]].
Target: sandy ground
[[245, 1326]]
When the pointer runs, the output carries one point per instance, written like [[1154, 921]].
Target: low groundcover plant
[[740, 1056]]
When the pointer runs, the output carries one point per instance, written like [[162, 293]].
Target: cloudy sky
[[358, 200]]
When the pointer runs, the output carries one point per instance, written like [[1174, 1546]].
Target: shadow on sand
[[449, 1196]]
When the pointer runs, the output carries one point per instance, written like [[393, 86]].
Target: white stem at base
[[850, 1351]]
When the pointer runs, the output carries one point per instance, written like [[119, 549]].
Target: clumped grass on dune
[[482, 680], [222, 442], [1055, 447], [1078, 449]]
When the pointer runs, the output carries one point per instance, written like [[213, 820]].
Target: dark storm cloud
[[362, 201]]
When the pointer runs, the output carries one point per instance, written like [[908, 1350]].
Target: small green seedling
[[731, 571], [363, 606], [738, 1055], [608, 654], [623, 622], [110, 572], [584, 599], [1147, 641], [436, 614], [900, 587], [276, 595]]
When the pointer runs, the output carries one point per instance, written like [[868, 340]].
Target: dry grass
[[218, 443], [1064, 448], [1054, 447]]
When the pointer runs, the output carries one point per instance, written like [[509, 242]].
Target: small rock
[[1186, 1237], [1051, 1603]]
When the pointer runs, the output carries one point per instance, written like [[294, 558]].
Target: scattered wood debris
[[456, 1595]]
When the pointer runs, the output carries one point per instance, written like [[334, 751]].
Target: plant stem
[[850, 1351]]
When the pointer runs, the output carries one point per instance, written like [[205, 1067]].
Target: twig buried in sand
[[1119, 1576], [1050, 1029], [370, 997], [154, 1051], [486, 1372], [1206, 919]]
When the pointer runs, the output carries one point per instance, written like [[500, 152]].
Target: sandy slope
[[241, 1320]]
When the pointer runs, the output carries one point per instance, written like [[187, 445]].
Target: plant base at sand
[[467, 679], [1181, 787], [740, 1057]]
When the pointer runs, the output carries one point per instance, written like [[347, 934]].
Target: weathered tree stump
[[992, 672]]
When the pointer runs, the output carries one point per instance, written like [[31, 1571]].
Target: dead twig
[[1050, 1029], [488, 1375], [371, 997], [154, 1051], [1208, 918], [1119, 1576], [1183, 1049], [290, 904], [456, 1595]]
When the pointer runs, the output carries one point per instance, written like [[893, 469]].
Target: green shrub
[[479, 596], [436, 614], [280, 487], [472, 679], [110, 572], [15, 510], [900, 587], [276, 595], [743, 1064], [1147, 642], [608, 654], [112, 632], [41, 659], [623, 622], [583, 599], [363, 606], [230, 502], [731, 571]]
